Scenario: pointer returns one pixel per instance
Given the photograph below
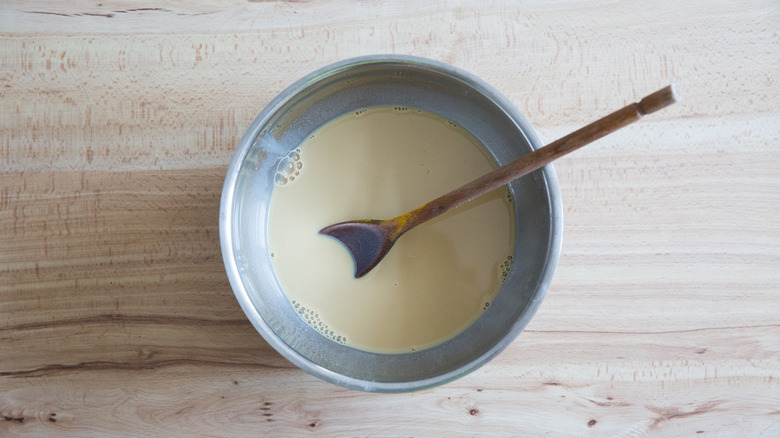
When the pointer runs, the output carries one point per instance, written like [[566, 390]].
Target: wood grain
[[118, 120]]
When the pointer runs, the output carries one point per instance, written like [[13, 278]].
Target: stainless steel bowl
[[345, 87]]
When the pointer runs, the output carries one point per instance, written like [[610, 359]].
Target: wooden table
[[118, 121]]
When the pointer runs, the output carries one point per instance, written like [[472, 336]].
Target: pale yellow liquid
[[377, 164]]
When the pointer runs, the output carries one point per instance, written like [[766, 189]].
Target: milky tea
[[378, 163]]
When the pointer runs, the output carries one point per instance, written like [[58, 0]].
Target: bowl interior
[[349, 86]]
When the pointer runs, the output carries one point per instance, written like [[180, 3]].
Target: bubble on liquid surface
[[312, 318], [288, 168], [503, 273], [505, 268]]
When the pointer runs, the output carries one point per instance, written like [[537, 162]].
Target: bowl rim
[[227, 209]]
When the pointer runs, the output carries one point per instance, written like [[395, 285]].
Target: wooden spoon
[[369, 240]]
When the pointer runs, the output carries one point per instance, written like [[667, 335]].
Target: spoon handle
[[538, 158]]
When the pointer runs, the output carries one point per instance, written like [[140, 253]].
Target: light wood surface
[[118, 120]]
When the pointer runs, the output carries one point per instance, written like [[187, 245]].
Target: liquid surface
[[377, 164]]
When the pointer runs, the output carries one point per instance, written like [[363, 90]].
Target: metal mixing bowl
[[346, 87]]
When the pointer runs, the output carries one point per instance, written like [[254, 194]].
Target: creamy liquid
[[377, 164]]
